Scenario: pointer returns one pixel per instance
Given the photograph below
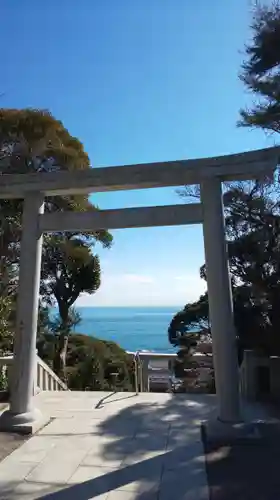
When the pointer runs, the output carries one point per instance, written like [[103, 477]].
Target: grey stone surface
[[29, 491], [173, 215], [247, 165], [144, 448], [23, 417], [126, 449], [220, 301]]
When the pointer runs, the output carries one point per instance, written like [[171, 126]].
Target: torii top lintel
[[241, 166]]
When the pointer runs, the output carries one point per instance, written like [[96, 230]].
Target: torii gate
[[209, 173]]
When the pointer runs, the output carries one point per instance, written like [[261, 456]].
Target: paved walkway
[[124, 447]]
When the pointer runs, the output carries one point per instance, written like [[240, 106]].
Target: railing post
[[136, 372], [35, 374], [141, 375]]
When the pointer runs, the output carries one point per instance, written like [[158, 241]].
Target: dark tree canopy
[[253, 210], [34, 141], [186, 323], [261, 69], [253, 236]]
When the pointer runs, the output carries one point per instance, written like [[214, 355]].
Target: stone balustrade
[[46, 379]]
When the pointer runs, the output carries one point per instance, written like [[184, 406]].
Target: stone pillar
[[220, 302], [22, 416], [145, 374], [249, 368], [274, 367]]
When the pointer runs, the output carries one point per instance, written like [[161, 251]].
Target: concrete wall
[[249, 383]]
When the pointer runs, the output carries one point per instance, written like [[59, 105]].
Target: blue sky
[[136, 81]]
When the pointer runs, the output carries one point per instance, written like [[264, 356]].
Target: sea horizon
[[132, 327]]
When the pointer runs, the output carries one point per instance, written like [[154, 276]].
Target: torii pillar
[[22, 416], [220, 302]]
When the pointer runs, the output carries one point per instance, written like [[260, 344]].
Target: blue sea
[[133, 328]]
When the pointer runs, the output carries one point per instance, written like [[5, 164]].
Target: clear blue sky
[[135, 81]]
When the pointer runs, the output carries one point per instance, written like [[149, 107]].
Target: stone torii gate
[[209, 173]]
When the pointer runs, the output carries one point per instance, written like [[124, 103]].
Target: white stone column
[[22, 415], [220, 302]]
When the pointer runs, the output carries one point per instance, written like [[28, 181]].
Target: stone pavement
[[113, 447]]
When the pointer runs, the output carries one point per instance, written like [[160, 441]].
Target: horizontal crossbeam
[[122, 218], [248, 165]]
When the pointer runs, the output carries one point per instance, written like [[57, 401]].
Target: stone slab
[[119, 451]]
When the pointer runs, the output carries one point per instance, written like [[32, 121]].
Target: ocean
[[133, 328]]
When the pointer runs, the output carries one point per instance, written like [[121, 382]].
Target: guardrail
[[6, 363], [45, 379], [155, 370], [147, 373]]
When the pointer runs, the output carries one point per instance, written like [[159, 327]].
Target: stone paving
[[112, 447]]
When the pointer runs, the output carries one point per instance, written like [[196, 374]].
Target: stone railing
[[6, 363], [152, 369], [45, 380]]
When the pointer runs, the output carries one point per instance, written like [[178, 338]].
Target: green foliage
[[34, 141], [187, 328], [91, 364], [253, 237], [6, 324], [261, 70], [3, 381], [69, 268], [189, 324], [253, 210]]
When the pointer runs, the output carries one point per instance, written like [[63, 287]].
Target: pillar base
[[227, 433], [23, 423]]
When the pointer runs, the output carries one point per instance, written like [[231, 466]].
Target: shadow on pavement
[[247, 470], [151, 448], [148, 439]]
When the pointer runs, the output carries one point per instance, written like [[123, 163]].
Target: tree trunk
[[60, 356], [59, 363]]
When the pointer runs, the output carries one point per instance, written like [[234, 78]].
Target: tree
[[69, 269], [92, 364], [34, 141], [252, 216], [187, 330], [261, 70], [186, 324], [252, 209]]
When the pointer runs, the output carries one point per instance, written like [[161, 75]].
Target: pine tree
[[261, 70]]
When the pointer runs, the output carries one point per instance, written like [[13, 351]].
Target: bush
[[93, 363]]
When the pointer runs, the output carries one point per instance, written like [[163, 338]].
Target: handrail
[[6, 360], [136, 373], [141, 371], [6, 363], [47, 380]]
